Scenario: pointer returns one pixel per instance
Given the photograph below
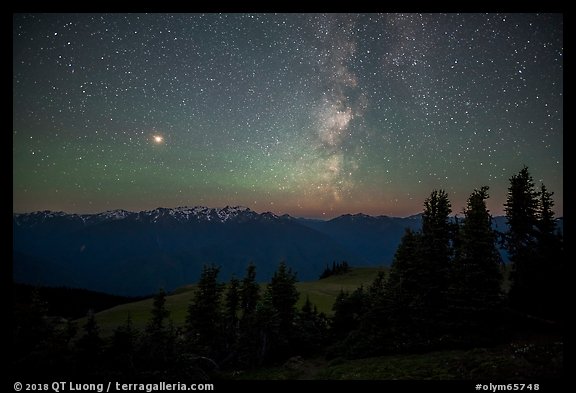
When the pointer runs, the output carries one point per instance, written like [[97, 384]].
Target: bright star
[[158, 139]]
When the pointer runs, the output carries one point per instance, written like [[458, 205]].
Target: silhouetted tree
[[267, 330], [231, 306], [546, 223], [155, 352], [377, 290], [402, 284], [283, 295], [414, 300], [326, 273], [32, 330], [89, 347], [159, 314], [394, 319], [249, 291], [40, 342], [123, 347], [550, 258], [434, 259], [520, 208], [90, 343], [311, 330], [521, 214], [125, 337], [336, 269], [348, 310], [204, 322], [248, 349], [476, 275]]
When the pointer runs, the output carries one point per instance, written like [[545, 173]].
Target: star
[[308, 113]]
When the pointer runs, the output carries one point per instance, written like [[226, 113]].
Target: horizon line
[[235, 207]]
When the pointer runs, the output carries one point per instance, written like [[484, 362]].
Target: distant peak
[[415, 216], [357, 216]]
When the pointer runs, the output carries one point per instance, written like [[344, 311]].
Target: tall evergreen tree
[[248, 350], [416, 304], [521, 214], [348, 310], [249, 291], [266, 335], [159, 314], [204, 322], [89, 347], [403, 291], [550, 259], [231, 309], [154, 351], [520, 207], [90, 344], [311, 328], [281, 294], [403, 284], [284, 295], [232, 305], [32, 330], [546, 223], [123, 347], [124, 338], [377, 290], [437, 232], [476, 275], [434, 261]]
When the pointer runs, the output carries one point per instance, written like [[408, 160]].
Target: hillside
[[528, 359], [166, 248], [322, 293]]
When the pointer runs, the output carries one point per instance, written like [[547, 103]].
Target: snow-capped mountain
[[180, 214], [135, 253]]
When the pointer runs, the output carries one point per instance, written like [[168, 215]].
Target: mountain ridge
[[194, 211], [135, 253]]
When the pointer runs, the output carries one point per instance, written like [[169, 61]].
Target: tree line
[[338, 268], [445, 289]]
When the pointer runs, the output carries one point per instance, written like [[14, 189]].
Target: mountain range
[[136, 253]]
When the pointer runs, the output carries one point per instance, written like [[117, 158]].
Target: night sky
[[307, 114]]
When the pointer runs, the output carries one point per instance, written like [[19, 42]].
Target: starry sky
[[314, 115]]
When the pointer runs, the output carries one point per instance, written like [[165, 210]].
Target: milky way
[[307, 114]]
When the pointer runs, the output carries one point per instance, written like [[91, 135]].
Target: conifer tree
[[154, 351], [124, 338], [521, 214], [476, 274], [89, 347], [204, 322], [279, 303], [284, 295], [311, 329], [124, 346], [550, 259], [156, 325], [348, 309], [249, 291], [90, 344], [402, 284], [231, 309], [248, 348], [435, 244]]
